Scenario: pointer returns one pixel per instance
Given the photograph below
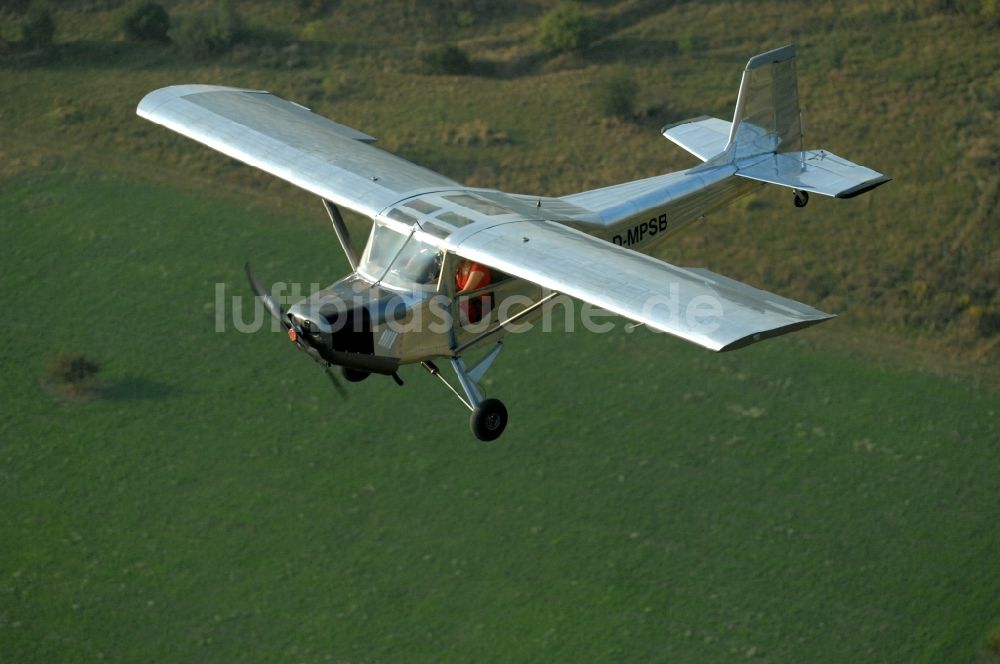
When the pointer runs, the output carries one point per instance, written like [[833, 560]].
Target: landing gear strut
[[489, 416], [801, 198]]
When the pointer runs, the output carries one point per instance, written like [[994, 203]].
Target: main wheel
[[488, 420], [801, 198], [353, 375]]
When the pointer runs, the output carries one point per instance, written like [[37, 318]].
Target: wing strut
[[501, 325], [342, 234]]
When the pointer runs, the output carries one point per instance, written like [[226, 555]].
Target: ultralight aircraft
[[449, 270]]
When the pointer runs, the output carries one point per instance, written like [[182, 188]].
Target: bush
[[567, 28], [38, 28], [312, 9], [72, 376], [691, 43], [986, 9], [210, 32], [142, 20], [992, 645], [465, 19], [615, 96], [990, 11], [446, 59]]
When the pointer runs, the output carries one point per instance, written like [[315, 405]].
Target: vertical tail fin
[[767, 108], [766, 119]]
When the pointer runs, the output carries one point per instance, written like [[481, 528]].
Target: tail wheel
[[488, 420], [801, 198]]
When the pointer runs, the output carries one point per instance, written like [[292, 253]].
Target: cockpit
[[401, 260], [403, 251]]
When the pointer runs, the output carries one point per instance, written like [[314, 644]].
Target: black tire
[[353, 375], [801, 198], [488, 420]]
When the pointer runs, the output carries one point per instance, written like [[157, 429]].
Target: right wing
[[694, 304], [287, 140]]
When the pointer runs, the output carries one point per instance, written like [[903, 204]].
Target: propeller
[[269, 302], [289, 323]]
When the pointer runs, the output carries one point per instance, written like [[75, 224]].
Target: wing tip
[[148, 104], [864, 187], [775, 332]]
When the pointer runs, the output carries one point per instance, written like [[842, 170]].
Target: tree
[[567, 28], [73, 376], [38, 28], [142, 20], [615, 95], [210, 32]]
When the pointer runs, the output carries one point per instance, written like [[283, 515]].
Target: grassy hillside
[[829, 496], [911, 92]]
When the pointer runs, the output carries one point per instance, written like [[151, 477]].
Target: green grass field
[[830, 496]]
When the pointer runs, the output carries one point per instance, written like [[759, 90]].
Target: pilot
[[424, 266], [469, 276]]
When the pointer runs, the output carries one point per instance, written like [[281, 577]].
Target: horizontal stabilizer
[[816, 171], [704, 137]]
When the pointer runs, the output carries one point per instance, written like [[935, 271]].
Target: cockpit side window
[[382, 248]]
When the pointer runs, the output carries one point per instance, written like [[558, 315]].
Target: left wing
[[287, 140], [697, 305]]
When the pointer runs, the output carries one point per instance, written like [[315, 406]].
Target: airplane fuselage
[[362, 314]]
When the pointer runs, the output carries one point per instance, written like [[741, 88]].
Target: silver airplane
[[449, 270]]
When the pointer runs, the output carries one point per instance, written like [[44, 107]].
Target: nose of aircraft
[[338, 327], [335, 325]]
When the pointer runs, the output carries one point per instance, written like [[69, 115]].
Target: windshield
[[400, 260]]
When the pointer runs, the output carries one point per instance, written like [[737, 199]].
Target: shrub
[[465, 19], [983, 8], [472, 134], [38, 28], [986, 323], [72, 376], [992, 645], [691, 42], [615, 95], [210, 32], [990, 11], [567, 28], [142, 20], [312, 9], [446, 59]]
